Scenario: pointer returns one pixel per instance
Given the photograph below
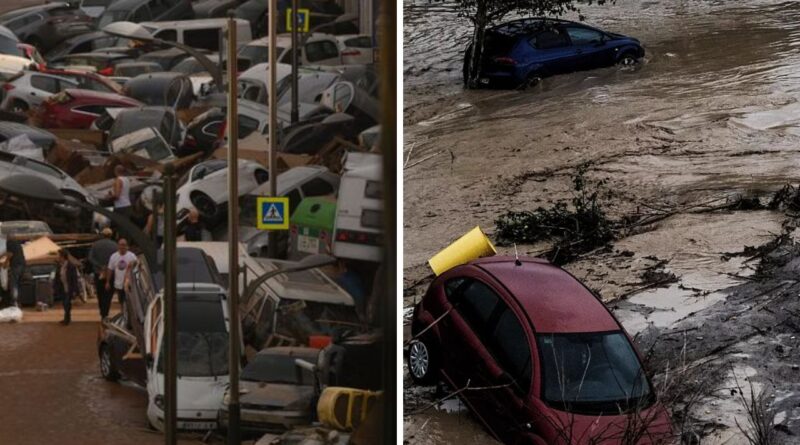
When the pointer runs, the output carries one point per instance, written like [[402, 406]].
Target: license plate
[[307, 244], [204, 426]]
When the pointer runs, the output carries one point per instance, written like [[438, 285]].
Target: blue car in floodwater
[[524, 51]]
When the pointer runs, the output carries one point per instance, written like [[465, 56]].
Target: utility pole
[[295, 63], [234, 410], [170, 315], [272, 238]]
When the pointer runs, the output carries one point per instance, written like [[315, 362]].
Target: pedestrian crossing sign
[[272, 213], [303, 21]]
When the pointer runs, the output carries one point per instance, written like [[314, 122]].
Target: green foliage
[[576, 228]]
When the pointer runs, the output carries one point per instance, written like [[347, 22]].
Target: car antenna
[[517, 262]]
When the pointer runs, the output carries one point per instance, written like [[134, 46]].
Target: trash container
[[311, 226]]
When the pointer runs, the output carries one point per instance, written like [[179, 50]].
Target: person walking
[[14, 258], [65, 284], [118, 265], [99, 254], [121, 192]]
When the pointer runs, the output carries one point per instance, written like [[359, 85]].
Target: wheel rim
[[19, 108], [628, 61], [419, 359], [105, 362]]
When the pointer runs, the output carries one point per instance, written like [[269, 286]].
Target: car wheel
[[107, 369], [422, 362], [533, 80], [204, 204], [19, 107], [627, 60], [262, 176]]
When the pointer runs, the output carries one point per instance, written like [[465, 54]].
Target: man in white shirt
[[118, 266]]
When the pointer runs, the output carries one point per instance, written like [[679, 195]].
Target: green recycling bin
[[311, 227]]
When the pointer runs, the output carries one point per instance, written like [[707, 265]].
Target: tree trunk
[[478, 37]]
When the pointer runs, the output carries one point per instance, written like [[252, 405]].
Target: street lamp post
[[272, 236], [295, 63], [170, 314], [234, 409]]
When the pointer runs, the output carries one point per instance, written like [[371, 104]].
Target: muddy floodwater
[[710, 116]]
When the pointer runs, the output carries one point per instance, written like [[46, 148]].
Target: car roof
[[554, 300], [193, 23], [526, 25], [124, 5], [260, 70], [8, 15]]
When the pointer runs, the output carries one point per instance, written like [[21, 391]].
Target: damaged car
[[553, 358], [280, 386]]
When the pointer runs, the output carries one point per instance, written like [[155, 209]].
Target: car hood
[[197, 393], [609, 430], [274, 395]]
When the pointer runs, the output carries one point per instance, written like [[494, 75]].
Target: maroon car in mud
[[535, 355]]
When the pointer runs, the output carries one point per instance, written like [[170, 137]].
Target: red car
[[547, 362], [77, 109]]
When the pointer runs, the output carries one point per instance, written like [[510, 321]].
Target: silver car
[[29, 89]]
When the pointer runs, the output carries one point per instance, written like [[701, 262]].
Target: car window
[[91, 109], [84, 47], [452, 285], [202, 38], [317, 187], [476, 302], [550, 39], [372, 218], [359, 42], [246, 126], [45, 83], [294, 199], [87, 83], [511, 349], [141, 14], [168, 34], [584, 36], [316, 51]]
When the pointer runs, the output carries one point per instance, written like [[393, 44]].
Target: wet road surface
[[711, 114], [51, 391]]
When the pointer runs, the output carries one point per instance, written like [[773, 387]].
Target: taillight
[[353, 52], [107, 71], [8, 87], [505, 61], [222, 129]]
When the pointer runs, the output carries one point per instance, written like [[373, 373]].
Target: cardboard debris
[[66, 157], [40, 251], [186, 115]]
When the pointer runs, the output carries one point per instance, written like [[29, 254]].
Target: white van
[[202, 356], [199, 33], [358, 229]]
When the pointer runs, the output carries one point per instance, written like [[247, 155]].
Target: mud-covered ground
[[709, 117]]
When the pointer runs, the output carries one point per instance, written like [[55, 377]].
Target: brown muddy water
[[711, 114]]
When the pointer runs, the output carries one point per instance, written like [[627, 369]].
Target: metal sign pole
[[234, 410], [272, 238], [170, 315], [295, 52]]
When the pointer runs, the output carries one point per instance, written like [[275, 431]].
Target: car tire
[[627, 59], [423, 362], [107, 369], [533, 80], [204, 204], [19, 107], [261, 176]]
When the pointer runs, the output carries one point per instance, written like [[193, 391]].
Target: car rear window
[[498, 44]]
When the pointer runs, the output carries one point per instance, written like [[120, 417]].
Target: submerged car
[[524, 51], [552, 355], [44, 26], [28, 89], [277, 393]]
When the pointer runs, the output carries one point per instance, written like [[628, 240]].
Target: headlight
[[159, 402]]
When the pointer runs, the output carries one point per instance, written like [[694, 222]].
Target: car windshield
[[208, 167], [591, 372], [279, 368], [128, 122], [8, 46], [110, 17], [310, 87], [25, 228], [202, 342], [257, 54]]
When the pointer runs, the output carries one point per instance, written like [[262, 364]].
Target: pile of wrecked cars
[[76, 104]]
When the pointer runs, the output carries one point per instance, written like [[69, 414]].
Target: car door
[[552, 54], [44, 86], [321, 52], [466, 361], [590, 48]]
